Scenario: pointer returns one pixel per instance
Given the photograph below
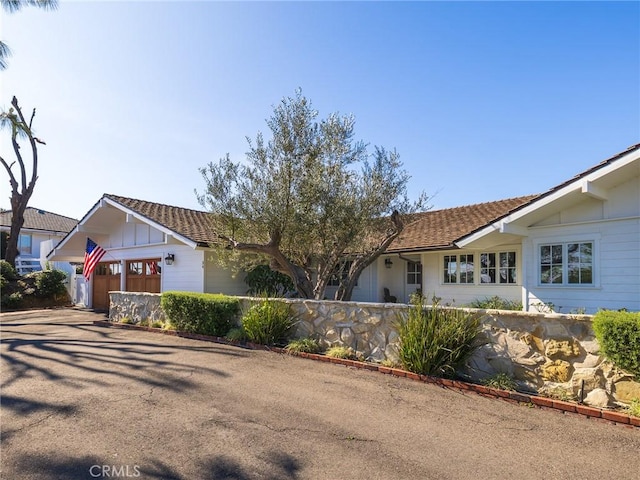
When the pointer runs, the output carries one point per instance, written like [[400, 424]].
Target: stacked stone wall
[[551, 354]]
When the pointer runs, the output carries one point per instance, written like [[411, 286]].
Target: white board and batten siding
[[218, 279], [461, 295], [614, 228]]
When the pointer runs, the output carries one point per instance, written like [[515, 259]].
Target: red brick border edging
[[609, 416]]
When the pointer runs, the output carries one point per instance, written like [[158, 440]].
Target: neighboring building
[[573, 248], [41, 231]]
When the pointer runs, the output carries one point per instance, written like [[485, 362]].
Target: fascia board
[[148, 221], [575, 185]]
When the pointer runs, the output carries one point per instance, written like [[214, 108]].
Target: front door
[[106, 278]]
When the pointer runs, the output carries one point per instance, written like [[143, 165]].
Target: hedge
[[619, 336], [204, 313]]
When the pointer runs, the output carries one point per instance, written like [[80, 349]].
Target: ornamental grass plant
[[268, 323], [436, 340]]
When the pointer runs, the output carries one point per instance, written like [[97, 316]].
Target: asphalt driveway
[[81, 401]]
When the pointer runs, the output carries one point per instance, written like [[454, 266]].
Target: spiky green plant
[[269, 323], [435, 340]]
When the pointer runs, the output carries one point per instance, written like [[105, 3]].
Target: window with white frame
[[414, 273], [25, 244], [498, 267], [458, 269], [569, 263]]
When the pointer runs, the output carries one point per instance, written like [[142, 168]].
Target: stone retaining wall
[[552, 354]]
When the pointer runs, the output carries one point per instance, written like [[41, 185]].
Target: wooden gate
[[106, 277]]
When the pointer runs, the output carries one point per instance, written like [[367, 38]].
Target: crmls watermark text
[[114, 471]]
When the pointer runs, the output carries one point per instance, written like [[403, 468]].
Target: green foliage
[[7, 270], [268, 323], [634, 407], [559, 393], [236, 334], [11, 301], [204, 313], [618, 334], [341, 351], [495, 303], [126, 321], [157, 324], [501, 381], [306, 345], [50, 283], [264, 281], [436, 340], [3, 282], [306, 196]]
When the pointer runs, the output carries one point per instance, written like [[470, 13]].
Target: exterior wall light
[[169, 259], [388, 263]]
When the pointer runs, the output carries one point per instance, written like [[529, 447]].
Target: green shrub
[[7, 270], [203, 313], [157, 324], [341, 351], [50, 283], [495, 303], [3, 282], [236, 334], [268, 323], [306, 345], [264, 281], [11, 301], [501, 381], [619, 336], [634, 408], [435, 340]]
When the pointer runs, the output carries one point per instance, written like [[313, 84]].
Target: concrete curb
[[608, 416]]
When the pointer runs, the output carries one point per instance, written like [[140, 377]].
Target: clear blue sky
[[483, 100]]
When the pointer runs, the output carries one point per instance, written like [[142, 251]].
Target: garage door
[[106, 277], [143, 275]]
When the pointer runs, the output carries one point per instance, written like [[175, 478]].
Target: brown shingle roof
[[440, 228], [191, 224], [37, 219], [432, 230]]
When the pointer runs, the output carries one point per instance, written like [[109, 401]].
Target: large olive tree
[[311, 200], [23, 182]]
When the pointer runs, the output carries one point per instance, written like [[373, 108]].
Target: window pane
[[24, 244], [466, 268], [488, 268], [134, 268], [556, 274], [508, 270], [450, 268]]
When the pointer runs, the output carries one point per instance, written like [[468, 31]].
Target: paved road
[[82, 402]]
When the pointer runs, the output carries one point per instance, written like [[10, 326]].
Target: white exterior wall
[[463, 294], [616, 267], [187, 272], [365, 291], [614, 227], [138, 241], [217, 279]]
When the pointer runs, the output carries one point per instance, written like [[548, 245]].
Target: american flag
[[153, 267], [92, 256]]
